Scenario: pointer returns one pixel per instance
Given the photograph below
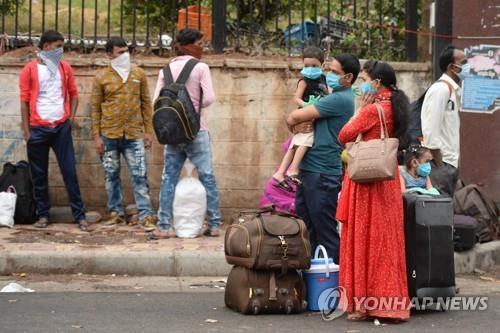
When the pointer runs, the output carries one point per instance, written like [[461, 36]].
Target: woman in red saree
[[372, 246]]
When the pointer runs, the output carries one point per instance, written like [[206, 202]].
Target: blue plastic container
[[323, 274], [294, 33]]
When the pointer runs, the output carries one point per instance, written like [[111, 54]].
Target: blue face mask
[[424, 169], [333, 81], [464, 72], [311, 72], [367, 88]]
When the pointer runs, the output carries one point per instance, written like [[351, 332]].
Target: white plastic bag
[[15, 288], [8, 207], [190, 205]]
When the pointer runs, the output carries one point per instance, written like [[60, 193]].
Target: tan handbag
[[373, 160]]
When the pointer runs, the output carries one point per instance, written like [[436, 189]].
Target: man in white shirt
[[441, 121]]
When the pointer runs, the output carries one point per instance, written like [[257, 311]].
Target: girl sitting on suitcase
[[417, 168]]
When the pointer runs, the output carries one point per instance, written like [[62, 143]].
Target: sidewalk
[[63, 249]]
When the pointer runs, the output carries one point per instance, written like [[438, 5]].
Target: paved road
[[187, 312]]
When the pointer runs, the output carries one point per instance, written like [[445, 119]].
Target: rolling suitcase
[[429, 245], [465, 232], [254, 292]]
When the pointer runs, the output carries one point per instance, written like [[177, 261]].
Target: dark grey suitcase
[[429, 245]]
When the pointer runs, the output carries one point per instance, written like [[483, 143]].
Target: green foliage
[[8, 7]]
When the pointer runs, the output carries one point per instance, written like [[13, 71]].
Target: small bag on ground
[[470, 200], [19, 176], [7, 207], [464, 232], [190, 205], [272, 241], [255, 292]]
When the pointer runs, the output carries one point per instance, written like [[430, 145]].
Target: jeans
[[200, 154], [316, 204], [135, 156], [60, 140]]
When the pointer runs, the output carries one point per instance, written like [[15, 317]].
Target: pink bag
[[282, 200]]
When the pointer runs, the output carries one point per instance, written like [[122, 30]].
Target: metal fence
[[385, 29]]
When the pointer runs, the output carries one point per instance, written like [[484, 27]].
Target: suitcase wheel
[[255, 307], [289, 306]]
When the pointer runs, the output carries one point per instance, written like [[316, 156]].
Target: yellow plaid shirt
[[121, 109]]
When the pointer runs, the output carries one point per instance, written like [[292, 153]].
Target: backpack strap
[[167, 75], [186, 71], [450, 88]]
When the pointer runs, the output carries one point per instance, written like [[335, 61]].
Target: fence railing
[[384, 29]]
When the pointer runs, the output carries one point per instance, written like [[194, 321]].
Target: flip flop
[[283, 185], [294, 179]]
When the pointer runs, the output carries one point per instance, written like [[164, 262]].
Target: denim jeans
[[135, 157], [200, 154], [316, 204], [60, 140]]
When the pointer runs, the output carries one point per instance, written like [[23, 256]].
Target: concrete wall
[[246, 124]]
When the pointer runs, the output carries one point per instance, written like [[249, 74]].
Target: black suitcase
[[255, 292], [465, 232], [429, 245]]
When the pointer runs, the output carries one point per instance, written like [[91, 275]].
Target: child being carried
[[311, 87]]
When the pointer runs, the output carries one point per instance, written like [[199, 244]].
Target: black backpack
[[19, 176], [415, 122], [175, 119]]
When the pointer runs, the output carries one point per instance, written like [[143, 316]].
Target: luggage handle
[[11, 189], [325, 255], [267, 209]]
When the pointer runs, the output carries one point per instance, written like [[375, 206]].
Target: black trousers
[[61, 142], [316, 204]]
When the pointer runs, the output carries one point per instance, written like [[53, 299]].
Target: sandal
[[294, 179], [356, 316], [160, 234], [84, 226], [42, 222], [282, 185]]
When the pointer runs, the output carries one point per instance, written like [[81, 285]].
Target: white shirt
[[50, 101], [441, 121]]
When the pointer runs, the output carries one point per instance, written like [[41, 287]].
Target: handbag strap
[[384, 133]]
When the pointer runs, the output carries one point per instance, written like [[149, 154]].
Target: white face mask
[[121, 65]]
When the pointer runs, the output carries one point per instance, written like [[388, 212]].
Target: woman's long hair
[[400, 105]]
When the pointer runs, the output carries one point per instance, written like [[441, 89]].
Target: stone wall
[[246, 125]]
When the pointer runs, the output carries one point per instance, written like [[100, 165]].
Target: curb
[[177, 263], [482, 257]]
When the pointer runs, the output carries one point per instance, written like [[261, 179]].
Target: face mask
[[311, 72], [51, 59], [464, 72], [333, 81], [121, 65], [424, 169], [367, 88]]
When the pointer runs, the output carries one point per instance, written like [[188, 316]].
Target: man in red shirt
[[49, 100]]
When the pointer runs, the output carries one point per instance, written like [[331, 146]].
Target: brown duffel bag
[[268, 240], [254, 292]]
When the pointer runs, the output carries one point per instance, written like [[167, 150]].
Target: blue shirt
[[335, 111]]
